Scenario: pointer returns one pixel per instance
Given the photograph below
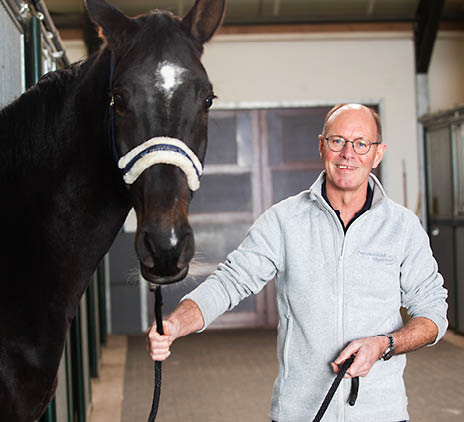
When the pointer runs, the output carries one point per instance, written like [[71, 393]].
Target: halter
[[157, 150], [161, 150]]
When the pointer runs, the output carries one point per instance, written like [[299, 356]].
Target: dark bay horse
[[64, 197]]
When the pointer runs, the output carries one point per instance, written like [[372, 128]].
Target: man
[[345, 259]]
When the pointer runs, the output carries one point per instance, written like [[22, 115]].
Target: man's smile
[[344, 167]]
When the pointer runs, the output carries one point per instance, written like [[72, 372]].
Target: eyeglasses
[[361, 146]]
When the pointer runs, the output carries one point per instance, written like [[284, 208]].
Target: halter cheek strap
[[161, 150]]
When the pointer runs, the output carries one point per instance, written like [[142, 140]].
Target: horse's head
[[160, 100]]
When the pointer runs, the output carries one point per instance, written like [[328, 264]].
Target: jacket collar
[[378, 196]]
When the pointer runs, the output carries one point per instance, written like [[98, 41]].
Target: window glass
[[289, 183], [459, 166], [222, 134], [222, 193], [293, 134], [440, 186]]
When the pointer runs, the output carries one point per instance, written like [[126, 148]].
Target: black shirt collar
[[367, 205]]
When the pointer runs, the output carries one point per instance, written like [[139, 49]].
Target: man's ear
[[114, 25], [321, 144], [379, 155], [204, 19]]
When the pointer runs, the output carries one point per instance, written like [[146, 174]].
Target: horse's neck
[[65, 198], [63, 203], [50, 118]]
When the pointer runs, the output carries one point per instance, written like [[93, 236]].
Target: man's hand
[[366, 350], [185, 319], [416, 333], [157, 344]]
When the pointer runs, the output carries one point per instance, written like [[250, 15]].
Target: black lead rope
[[159, 329], [325, 404], [353, 393]]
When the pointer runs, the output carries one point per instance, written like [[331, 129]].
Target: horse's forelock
[[155, 30], [162, 23]]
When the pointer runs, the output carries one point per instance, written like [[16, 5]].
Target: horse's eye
[[209, 101], [118, 100]]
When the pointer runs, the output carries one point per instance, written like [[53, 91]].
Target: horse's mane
[[30, 120], [50, 89], [59, 79]]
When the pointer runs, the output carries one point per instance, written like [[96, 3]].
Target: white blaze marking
[[173, 238], [168, 77]]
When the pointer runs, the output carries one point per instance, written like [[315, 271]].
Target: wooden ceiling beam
[[426, 26], [77, 33], [315, 28]]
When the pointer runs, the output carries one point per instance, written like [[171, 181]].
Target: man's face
[[346, 170]]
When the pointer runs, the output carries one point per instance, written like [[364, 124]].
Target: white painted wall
[[75, 50], [446, 72]]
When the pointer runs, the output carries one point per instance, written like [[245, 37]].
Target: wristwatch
[[390, 349]]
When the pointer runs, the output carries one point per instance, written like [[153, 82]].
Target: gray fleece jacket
[[333, 288]]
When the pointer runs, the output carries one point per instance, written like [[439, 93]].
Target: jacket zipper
[[340, 291], [340, 303], [340, 297]]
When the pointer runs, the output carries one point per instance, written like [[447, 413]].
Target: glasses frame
[[369, 142]]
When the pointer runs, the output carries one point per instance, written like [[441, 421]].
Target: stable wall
[[446, 72], [311, 69]]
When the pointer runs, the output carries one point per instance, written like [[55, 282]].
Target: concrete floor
[[107, 390], [199, 392]]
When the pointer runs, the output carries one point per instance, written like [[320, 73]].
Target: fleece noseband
[[161, 150]]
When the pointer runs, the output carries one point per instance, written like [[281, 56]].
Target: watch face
[[388, 354]]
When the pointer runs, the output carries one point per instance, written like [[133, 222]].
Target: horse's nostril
[[149, 260], [187, 251]]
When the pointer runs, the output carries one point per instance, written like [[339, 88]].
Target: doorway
[[255, 158]]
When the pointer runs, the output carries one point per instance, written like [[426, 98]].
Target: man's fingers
[[366, 350], [346, 353], [351, 371], [158, 350], [158, 344], [160, 356], [335, 367]]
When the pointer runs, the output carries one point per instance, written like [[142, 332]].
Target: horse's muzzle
[[163, 280], [163, 259]]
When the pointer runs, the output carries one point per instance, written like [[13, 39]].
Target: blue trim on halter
[[111, 130], [159, 147]]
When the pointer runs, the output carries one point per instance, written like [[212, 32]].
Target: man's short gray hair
[[375, 115]]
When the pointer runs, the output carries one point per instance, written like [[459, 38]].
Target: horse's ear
[[204, 18], [115, 25]]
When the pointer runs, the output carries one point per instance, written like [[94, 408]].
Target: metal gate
[[12, 71], [444, 150]]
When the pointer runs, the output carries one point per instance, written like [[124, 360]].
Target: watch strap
[[390, 351]]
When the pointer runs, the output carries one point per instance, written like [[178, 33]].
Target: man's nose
[[348, 149]]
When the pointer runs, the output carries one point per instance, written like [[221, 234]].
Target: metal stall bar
[[93, 327]]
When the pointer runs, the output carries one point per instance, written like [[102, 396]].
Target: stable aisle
[[227, 376]]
